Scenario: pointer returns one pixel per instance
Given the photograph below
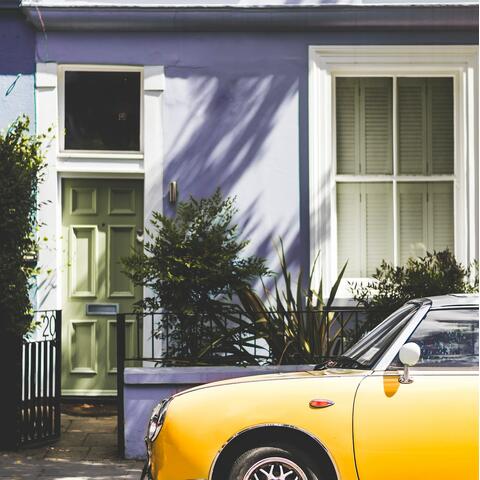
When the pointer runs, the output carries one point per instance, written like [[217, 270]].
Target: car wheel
[[273, 463]]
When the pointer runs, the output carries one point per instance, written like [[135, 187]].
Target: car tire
[[256, 464]]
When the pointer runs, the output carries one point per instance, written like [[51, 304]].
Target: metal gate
[[41, 380]]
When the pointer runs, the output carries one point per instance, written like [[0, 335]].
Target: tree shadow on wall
[[225, 140]]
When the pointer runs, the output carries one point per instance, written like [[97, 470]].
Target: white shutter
[[440, 198], [364, 125], [412, 217], [347, 95], [378, 206], [425, 126], [364, 226], [376, 125], [441, 125], [412, 126], [425, 211], [349, 231]]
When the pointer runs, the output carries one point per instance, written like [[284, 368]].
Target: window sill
[[101, 155]]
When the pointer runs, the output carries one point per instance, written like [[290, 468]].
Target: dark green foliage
[[193, 265], [294, 323], [21, 167], [437, 273]]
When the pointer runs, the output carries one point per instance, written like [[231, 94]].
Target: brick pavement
[[86, 450]]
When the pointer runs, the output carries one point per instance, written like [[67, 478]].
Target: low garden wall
[[145, 387]]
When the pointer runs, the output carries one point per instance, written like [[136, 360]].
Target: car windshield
[[366, 352]]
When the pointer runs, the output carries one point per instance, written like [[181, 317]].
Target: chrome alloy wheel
[[275, 468]]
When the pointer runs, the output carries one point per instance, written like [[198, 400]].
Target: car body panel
[[276, 402], [427, 429], [397, 432]]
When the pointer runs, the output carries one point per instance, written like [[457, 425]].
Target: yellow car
[[401, 404]]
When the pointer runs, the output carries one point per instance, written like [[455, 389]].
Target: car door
[[426, 430]]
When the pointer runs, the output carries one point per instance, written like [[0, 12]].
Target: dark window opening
[[102, 111]]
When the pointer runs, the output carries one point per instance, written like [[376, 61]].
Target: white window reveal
[[393, 149], [372, 181]]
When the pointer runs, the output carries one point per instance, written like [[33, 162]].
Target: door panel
[[130, 342], [420, 431], [120, 240], [83, 201], [83, 261], [100, 221], [83, 346]]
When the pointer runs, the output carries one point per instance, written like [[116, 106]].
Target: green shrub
[[21, 169], [193, 264], [294, 322], [437, 273]]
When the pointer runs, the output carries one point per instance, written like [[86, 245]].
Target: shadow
[[231, 141], [17, 45], [28, 465]]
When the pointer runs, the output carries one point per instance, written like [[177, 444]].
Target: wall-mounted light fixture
[[172, 192]]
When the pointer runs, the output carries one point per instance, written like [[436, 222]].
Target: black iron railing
[[39, 412], [167, 339]]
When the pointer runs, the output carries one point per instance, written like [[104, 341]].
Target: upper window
[[394, 169], [102, 110], [447, 338]]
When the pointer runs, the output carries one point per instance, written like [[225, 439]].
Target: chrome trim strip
[[263, 425]]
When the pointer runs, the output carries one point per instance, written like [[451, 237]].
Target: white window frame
[[327, 62], [110, 154]]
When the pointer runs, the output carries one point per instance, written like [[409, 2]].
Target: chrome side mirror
[[409, 356]]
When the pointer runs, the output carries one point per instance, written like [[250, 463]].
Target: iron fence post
[[121, 382], [58, 371]]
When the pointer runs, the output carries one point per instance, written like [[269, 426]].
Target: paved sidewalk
[[86, 450]]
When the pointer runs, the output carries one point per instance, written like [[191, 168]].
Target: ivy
[[21, 170]]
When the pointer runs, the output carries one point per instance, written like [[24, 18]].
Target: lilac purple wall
[[17, 67], [234, 114]]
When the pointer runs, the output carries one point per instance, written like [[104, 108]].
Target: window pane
[[425, 213], [102, 111], [448, 338], [412, 216], [370, 347], [347, 110], [425, 126], [378, 204], [349, 230], [377, 117], [412, 127], [364, 226], [441, 131], [364, 125]]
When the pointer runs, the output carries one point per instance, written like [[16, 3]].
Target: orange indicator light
[[321, 403]]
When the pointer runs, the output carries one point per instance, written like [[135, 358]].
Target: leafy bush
[[296, 324], [437, 273], [193, 265], [21, 169]]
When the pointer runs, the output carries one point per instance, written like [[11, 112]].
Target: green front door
[[102, 222]]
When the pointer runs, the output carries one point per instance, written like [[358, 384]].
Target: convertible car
[[401, 404]]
